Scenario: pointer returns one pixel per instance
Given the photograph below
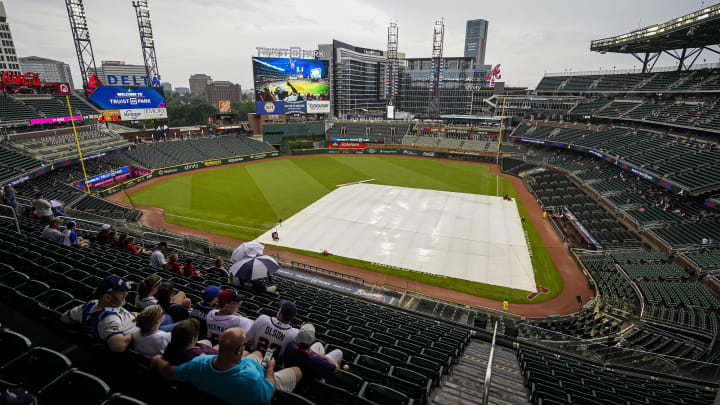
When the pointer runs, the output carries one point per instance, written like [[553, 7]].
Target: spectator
[[70, 238], [172, 264], [43, 208], [274, 332], [219, 268], [189, 269], [233, 375], [146, 290], [202, 308], [104, 318], [148, 339], [173, 302], [157, 258], [52, 231], [226, 317], [310, 356], [130, 246], [184, 345], [105, 235], [9, 197]]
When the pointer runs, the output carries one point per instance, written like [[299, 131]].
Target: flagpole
[[77, 142], [497, 154]]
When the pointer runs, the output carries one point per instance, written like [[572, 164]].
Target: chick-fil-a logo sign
[[28, 79]]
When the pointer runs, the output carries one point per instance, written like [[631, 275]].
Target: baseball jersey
[[104, 323], [269, 332], [217, 324]]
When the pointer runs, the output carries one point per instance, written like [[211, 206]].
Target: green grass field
[[244, 201]]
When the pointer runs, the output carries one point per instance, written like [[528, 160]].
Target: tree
[[242, 109]]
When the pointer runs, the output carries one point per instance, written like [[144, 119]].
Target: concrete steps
[[464, 384]]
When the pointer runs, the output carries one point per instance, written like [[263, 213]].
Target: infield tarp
[[467, 236]]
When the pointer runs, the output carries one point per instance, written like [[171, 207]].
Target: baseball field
[[245, 201]]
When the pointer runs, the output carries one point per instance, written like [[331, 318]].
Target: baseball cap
[[288, 310], [306, 335], [70, 224], [211, 292], [228, 296], [105, 227], [112, 284], [162, 244]]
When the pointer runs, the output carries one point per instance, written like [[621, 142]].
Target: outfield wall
[[185, 168]]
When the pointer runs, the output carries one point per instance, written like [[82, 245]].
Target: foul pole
[[497, 153], [77, 142]]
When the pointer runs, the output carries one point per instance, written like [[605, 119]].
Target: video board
[[290, 79]]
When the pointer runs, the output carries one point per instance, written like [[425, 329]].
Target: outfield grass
[[244, 201]]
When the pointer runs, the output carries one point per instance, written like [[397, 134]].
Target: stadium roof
[[695, 30]]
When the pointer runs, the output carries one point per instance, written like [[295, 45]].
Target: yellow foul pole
[[502, 118], [77, 142]]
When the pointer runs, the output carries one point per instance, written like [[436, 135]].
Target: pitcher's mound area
[[466, 236]]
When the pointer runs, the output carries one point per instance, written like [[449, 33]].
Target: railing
[[13, 217], [172, 240], [488, 372], [630, 71], [336, 274]]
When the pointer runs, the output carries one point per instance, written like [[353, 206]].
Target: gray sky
[[218, 37]]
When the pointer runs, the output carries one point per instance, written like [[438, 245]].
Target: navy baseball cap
[[212, 291], [288, 310], [71, 224], [111, 284]]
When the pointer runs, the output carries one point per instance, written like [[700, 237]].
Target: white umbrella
[[253, 268], [247, 249]]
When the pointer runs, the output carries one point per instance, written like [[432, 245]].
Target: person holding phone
[[233, 375]]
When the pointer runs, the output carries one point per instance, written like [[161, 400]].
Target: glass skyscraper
[[476, 40]]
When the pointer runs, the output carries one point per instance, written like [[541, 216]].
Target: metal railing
[[488, 372], [13, 217], [343, 276]]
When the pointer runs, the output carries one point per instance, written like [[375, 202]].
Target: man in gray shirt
[[52, 231], [43, 208], [157, 259]]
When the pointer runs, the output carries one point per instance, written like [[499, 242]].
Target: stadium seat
[[325, 394], [77, 388], [282, 397], [384, 395], [119, 399], [35, 369], [347, 381], [13, 344]]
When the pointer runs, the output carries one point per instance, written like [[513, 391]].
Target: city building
[[457, 93], [111, 72], [222, 90], [8, 55], [167, 87], [357, 80], [182, 90], [51, 71], [198, 82], [476, 40]]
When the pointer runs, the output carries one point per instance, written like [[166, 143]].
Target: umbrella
[[253, 268], [247, 249]]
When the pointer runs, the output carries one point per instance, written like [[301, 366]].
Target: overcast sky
[[218, 37]]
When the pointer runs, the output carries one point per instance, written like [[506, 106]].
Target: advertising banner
[[586, 235], [294, 107], [269, 107], [116, 97], [344, 288], [137, 172], [63, 88], [111, 115], [318, 107], [224, 107], [143, 114], [366, 140], [56, 119], [93, 181], [346, 145]]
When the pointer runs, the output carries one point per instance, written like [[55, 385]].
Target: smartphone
[[268, 355]]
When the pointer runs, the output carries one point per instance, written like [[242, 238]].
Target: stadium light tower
[[142, 12], [81, 36], [391, 70]]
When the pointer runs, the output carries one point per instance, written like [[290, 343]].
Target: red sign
[[346, 145], [63, 88], [93, 84], [28, 79]]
